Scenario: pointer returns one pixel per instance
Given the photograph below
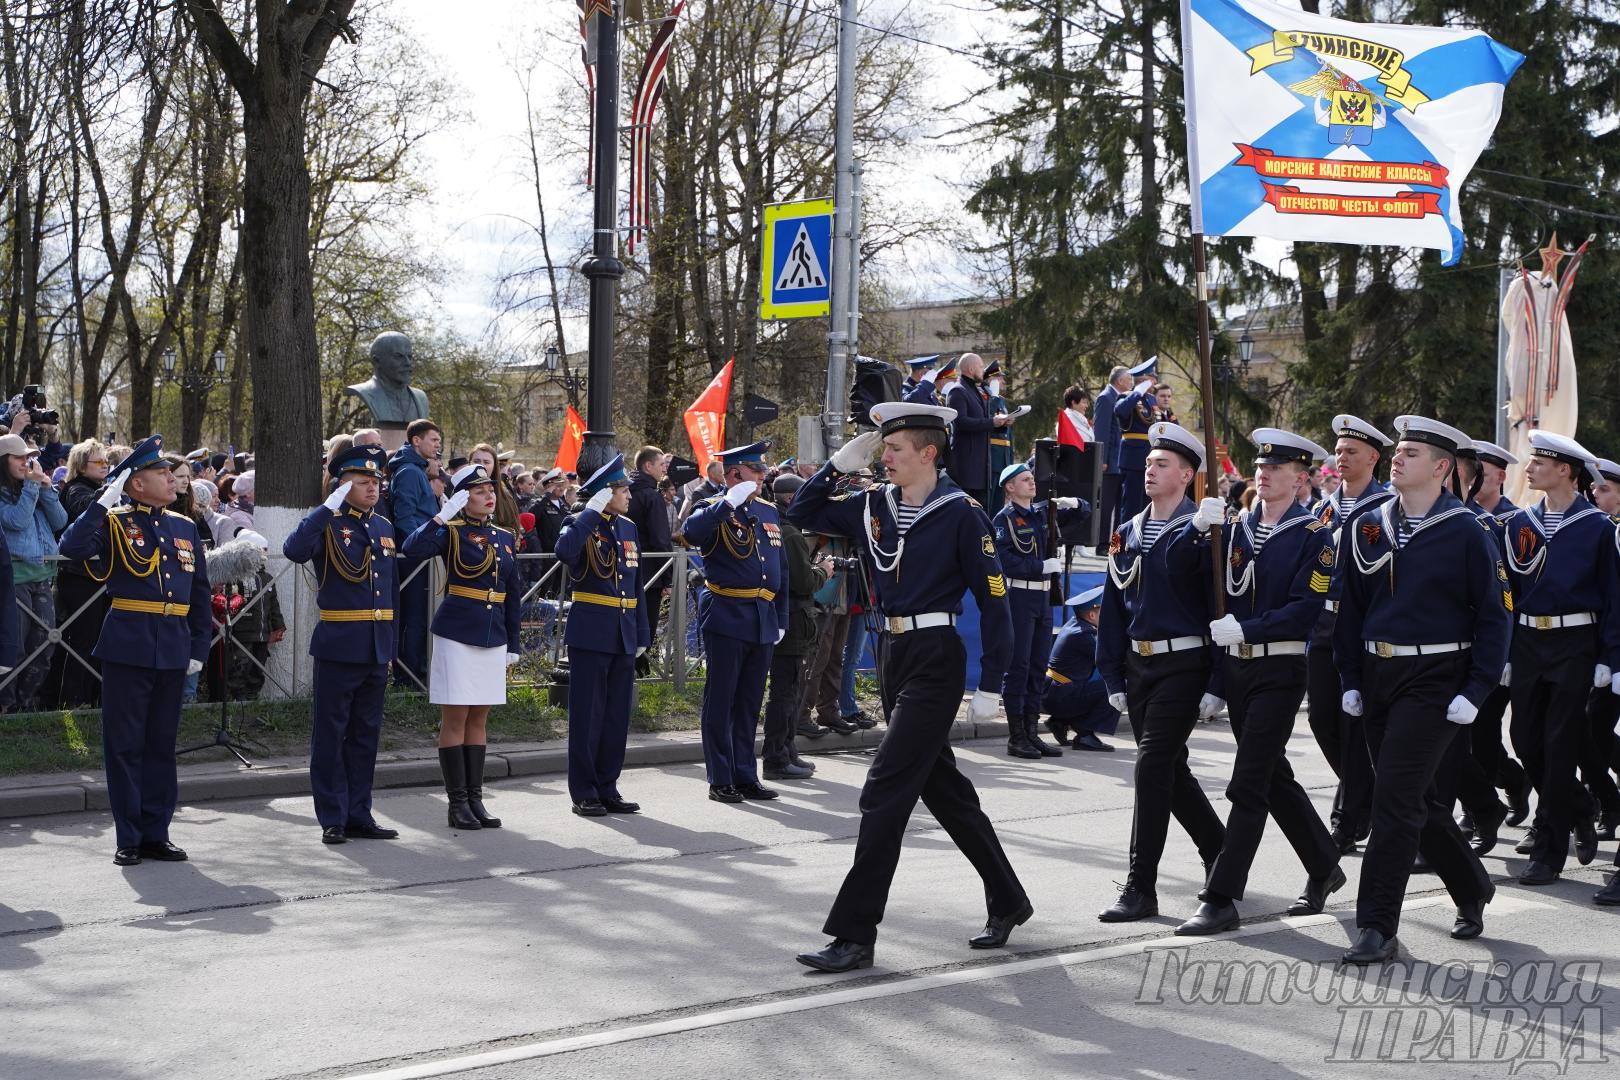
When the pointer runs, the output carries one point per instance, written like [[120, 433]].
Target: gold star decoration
[[1551, 256]]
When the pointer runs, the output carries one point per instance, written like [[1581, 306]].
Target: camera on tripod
[[33, 400]]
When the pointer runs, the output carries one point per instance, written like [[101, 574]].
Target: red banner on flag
[[706, 417], [1067, 433], [1345, 170], [1406, 204], [573, 438]]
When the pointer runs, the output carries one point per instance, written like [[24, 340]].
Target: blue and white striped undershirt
[[1150, 532], [1408, 524], [1261, 532], [1551, 519], [904, 515]]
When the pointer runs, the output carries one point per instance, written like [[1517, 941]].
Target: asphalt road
[[662, 945]]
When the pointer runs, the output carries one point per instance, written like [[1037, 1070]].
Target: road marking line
[[1506, 905]]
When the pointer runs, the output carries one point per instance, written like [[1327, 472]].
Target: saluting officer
[[607, 629], [1421, 638], [1279, 561], [1020, 532], [1358, 450], [1135, 413], [920, 379], [743, 613], [355, 558], [1154, 651], [928, 543], [1074, 695], [157, 631], [1561, 555]]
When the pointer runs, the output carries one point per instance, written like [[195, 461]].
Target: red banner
[[1412, 205], [706, 417], [573, 437], [1067, 433], [1345, 170]]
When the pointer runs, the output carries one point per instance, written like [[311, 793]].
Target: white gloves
[[5, 670], [1117, 702], [1614, 684], [452, 506], [334, 501], [1507, 676], [1461, 710], [641, 650], [512, 658], [600, 500], [1226, 631], [1210, 512], [1601, 676], [1350, 704], [858, 453], [983, 706], [1052, 566], [738, 494], [1066, 502], [193, 667], [1209, 705], [113, 493], [780, 634], [932, 375]]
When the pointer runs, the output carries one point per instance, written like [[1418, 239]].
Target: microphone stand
[[222, 734]]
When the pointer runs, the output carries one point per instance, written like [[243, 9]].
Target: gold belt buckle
[[1543, 622], [1245, 651], [1144, 648], [1384, 649], [168, 609], [897, 624], [376, 614]]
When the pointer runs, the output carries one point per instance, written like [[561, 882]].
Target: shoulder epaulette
[[176, 513], [123, 508]]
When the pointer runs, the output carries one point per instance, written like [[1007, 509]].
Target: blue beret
[[1013, 470]]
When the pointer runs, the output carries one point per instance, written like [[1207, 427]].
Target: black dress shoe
[[811, 730], [1538, 873], [1371, 947], [1586, 840], [1087, 740], [1606, 824], [590, 808], [1211, 919], [1344, 840], [757, 791], [1465, 824], [1487, 828], [1131, 905], [334, 834], [1420, 865], [1609, 895], [616, 805], [998, 928], [1471, 917], [840, 954], [163, 851], [1059, 729], [720, 793], [1317, 890], [842, 726], [861, 719], [1527, 843], [369, 830], [127, 856], [1519, 800]]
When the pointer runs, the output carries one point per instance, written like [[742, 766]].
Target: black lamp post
[[191, 381], [572, 382], [603, 268]]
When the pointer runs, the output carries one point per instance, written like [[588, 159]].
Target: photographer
[[31, 514], [26, 415]]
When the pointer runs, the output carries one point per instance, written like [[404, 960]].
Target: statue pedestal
[[393, 436]]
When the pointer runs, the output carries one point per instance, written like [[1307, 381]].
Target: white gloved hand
[[1066, 502], [1614, 685], [1350, 704], [193, 667], [1461, 710], [334, 501], [113, 493], [5, 670], [452, 506], [1226, 631], [1507, 676], [641, 650], [931, 375], [512, 658], [1601, 676], [1210, 512], [1052, 566], [737, 494], [780, 634], [983, 706], [600, 500], [1209, 705], [858, 453], [1117, 702]]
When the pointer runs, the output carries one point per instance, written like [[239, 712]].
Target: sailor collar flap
[[889, 561]]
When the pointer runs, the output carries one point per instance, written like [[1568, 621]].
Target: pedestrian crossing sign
[[796, 260]]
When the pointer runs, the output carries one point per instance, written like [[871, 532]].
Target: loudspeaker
[[1061, 469], [875, 382]]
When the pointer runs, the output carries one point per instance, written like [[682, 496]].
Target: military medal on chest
[[136, 535]]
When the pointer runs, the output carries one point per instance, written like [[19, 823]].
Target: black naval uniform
[[924, 661], [1422, 620]]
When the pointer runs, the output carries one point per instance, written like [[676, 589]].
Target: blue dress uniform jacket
[[1447, 584], [1021, 537], [969, 463], [483, 601], [1153, 595], [356, 562], [745, 592], [159, 614], [1375, 496], [951, 547], [602, 555], [1576, 569], [1278, 594], [1134, 414], [1071, 666], [1105, 427], [921, 392]]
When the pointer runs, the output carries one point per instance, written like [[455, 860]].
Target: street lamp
[[219, 361], [168, 362], [1246, 349]]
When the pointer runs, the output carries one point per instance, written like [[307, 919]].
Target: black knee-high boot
[[453, 763], [475, 785]]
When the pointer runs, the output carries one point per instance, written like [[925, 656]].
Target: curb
[[278, 781]]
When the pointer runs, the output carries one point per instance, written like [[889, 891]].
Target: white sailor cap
[[1150, 366], [892, 416], [1489, 451], [1167, 436], [1560, 448], [1425, 430], [1354, 427], [1089, 598], [469, 476], [1608, 470], [1274, 446], [552, 476]]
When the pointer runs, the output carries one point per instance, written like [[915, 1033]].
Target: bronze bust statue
[[388, 394]]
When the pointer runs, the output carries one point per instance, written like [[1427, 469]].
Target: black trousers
[[1112, 481], [1262, 697], [1461, 778], [1602, 710], [923, 673], [1408, 733], [1342, 740], [1485, 739], [139, 722], [1552, 677], [782, 706], [1161, 694]]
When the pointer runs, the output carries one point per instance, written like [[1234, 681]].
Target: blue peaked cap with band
[[608, 475], [1150, 366], [361, 459], [752, 454], [921, 364], [147, 454], [1089, 598]]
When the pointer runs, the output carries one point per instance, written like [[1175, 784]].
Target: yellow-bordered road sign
[[796, 260]]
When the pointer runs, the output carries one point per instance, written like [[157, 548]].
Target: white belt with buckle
[[1558, 622], [901, 624], [1247, 651], [1175, 644], [1026, 583], [1386, 650]]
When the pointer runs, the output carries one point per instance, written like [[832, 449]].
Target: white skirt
[[465, 674]]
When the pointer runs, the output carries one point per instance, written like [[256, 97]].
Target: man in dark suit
[[1107, 432], [969, 464]]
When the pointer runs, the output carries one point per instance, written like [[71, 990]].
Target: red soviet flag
[[573, 437], [706, 417]]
